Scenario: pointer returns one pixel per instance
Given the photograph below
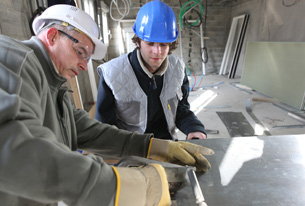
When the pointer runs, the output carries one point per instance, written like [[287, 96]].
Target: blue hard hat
[[156, 22]]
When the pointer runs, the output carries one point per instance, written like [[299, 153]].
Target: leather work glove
[[183, 153], [138, 186]]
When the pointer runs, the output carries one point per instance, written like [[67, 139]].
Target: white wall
[[271, 21]]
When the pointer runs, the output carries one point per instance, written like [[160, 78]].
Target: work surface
[[252, 171]]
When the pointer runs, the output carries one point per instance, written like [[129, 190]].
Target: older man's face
[[71, 57]]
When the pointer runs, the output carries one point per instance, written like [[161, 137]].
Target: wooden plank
[[231, 44], [76, 93], [92, 111]]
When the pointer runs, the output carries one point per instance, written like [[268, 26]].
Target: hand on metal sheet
[[196, 135], [183, 153], [139, 186]]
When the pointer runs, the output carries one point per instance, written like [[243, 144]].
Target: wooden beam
[[76, 93]]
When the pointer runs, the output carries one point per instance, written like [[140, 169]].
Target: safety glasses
[[80, 48]]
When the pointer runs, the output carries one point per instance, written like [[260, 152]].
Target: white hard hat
[[78, 19]]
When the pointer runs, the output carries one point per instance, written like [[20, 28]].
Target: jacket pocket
[[173, 103], [128, 112]]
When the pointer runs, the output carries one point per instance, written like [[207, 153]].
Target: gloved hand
[[183, 153], [138, 186]]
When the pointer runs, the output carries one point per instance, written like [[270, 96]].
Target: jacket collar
[[54, 79], [161, 69]]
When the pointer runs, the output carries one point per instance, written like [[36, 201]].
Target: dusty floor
[[220, 94]]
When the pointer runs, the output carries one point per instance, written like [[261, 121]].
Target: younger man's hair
[[172, 46]]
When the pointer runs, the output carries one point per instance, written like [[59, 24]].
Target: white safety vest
[[130, 99]]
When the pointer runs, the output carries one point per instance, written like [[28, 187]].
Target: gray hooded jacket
[[38, 129]]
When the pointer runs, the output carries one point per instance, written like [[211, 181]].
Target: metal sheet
[[268, 170], [236, 124]]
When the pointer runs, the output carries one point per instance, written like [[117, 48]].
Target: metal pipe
[[196, 188]]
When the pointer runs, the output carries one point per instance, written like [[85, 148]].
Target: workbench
[[263, 170]]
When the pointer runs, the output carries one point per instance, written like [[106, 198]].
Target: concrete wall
[[14, 18], [216, 32], [218, 25]]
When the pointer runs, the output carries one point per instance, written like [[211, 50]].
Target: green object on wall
[[276, 69]]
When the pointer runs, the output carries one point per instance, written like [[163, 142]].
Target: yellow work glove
[[138, 186], [183, 153]]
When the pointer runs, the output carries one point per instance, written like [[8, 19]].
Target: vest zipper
[[154, 83], [66, 139], [60, 100]]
